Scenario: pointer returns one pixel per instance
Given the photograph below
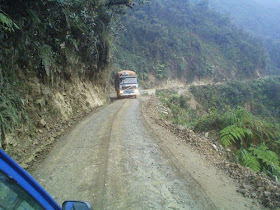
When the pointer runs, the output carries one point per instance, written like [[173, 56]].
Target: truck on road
[[126, 84]]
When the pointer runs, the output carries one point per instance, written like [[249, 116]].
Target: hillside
[[188, 41], [259, 18]]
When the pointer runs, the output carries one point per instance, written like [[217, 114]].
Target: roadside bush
[[247, 129], [11, 112], [180, 112], [261, 96], [260, 159], [246, 115], [256, 139], [213, 121]]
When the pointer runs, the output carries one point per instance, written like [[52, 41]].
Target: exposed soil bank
[[51, 111]]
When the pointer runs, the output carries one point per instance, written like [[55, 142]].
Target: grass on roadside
[[255, 140]]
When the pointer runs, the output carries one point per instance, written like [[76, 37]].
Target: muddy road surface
[[112, 160]]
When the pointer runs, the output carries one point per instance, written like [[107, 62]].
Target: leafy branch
[[247, 129], [260, 159], [6, 23]]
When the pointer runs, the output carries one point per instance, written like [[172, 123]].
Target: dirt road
[[113, 160]]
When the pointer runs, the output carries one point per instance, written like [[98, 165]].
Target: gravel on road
[[113, 160]]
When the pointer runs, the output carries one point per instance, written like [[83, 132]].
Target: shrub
[[247, 129], [260, 159], [11, 114], [180, 112]]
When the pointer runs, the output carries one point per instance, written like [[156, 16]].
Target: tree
[[128, 3]]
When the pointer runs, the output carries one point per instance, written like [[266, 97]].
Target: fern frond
[[6, 22], [250, 160], [46, 54], [265, 155], [233, 133]]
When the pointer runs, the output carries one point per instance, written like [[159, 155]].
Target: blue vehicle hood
[[13, 170]]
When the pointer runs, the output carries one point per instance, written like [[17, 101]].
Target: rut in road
[[112, 160]]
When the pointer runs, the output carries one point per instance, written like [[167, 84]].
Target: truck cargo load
[[126, 84]]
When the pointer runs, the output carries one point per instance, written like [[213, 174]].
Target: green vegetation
[[244, 114], [180, 111], [189, 40], [6, 23], [257, 16], [260, 158], [11, 112], [261, 97], [54, 41], [247, 129], [260, 18]]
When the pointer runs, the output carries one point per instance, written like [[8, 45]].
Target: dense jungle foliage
[[245, 114], [52, 40], [187, 40], [260, 18], [257, 16], [262, 96]]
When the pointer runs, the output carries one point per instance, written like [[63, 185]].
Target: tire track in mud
[[108, 185], [71, 171]]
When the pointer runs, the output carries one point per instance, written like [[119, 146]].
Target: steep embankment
[[240, 121], [51, 112], [212, 173], [179, 39], [261, 19], [54, 67]]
